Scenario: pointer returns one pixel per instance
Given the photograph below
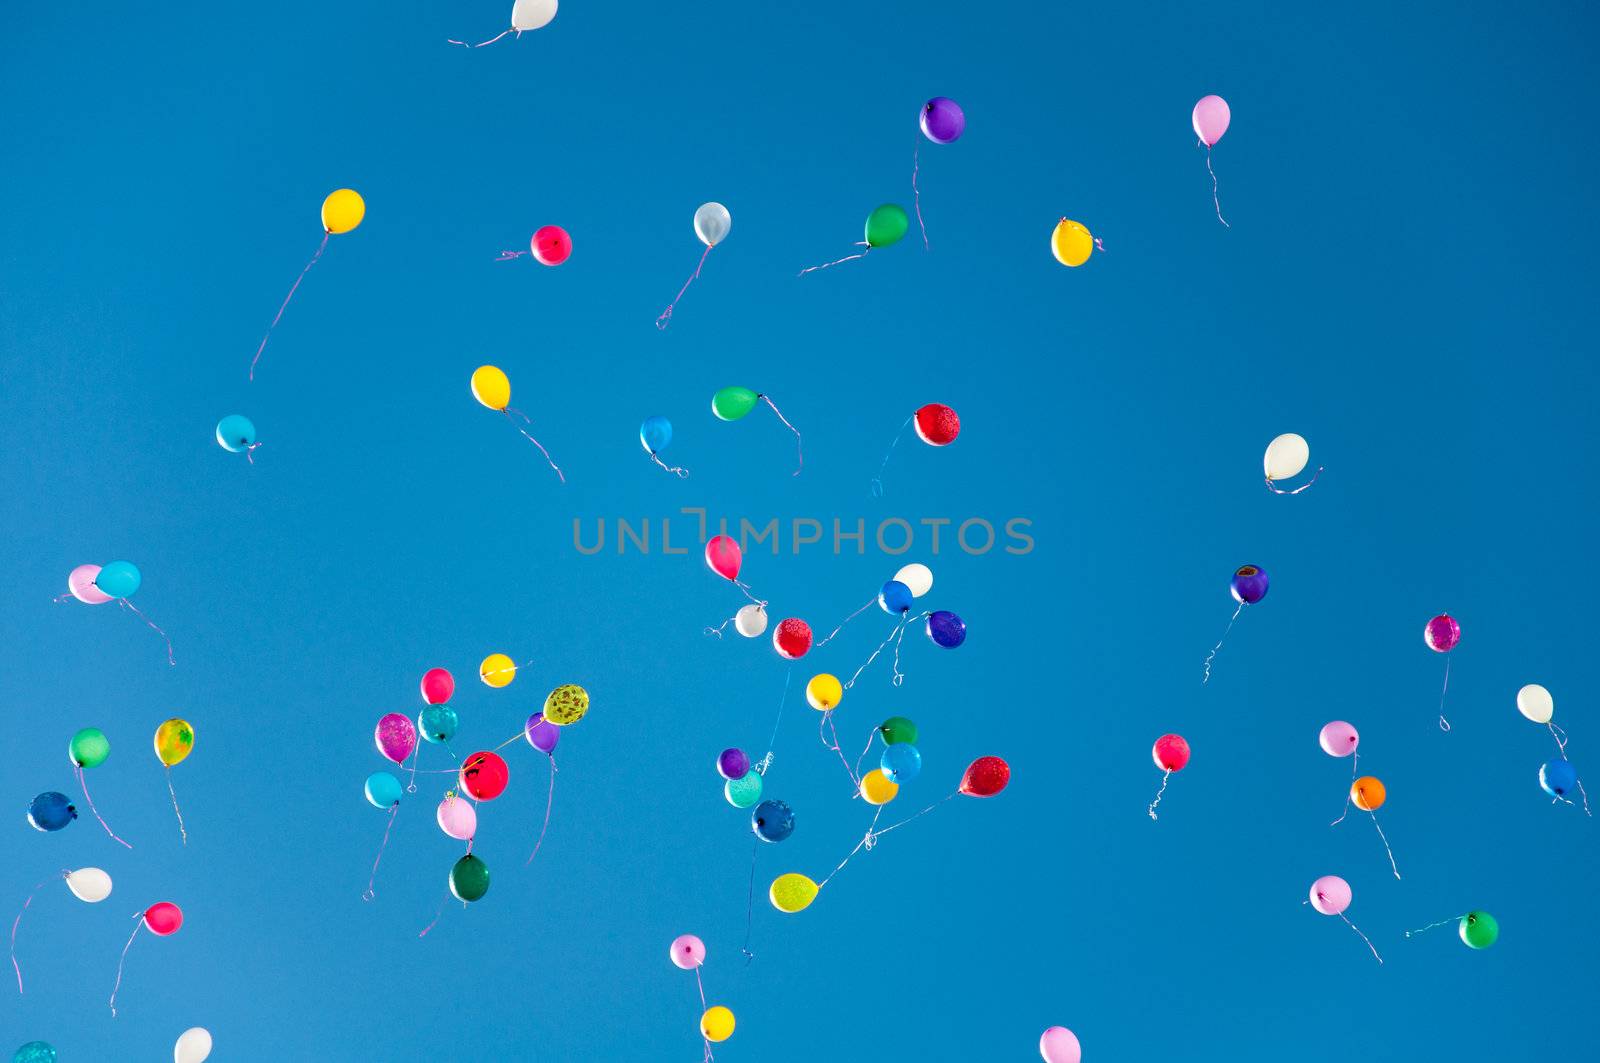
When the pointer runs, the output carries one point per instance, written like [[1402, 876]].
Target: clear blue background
[[1408, 282]]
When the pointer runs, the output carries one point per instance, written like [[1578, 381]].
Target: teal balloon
[[901, 762], [35, 1052], [438, 723], [118, 579], [655, 433], [235, 433], [383, 790], [743, 792]]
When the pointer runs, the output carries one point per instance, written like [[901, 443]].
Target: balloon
[[985, 777], [342, 211], [723, 557], [1249, 584], [193, 1046], [89, 884], [1171, 752], [1060, 1045], [566, 704], [51, 811], [175, 740], [541, 734], [438, 686], [484, 775], [1071, 243], [118, 579], [744, 791], [35, 1052], [937, 425], [469, 878], [1368, 793], [383, 790], [1210, 119], [497, 670], [1535, 702], [792, 639], [772, 821], [1442, 633], [1286, 456], [877, 789], [457, 818], [491, 387], [947, 629], [1558, 777], [687, 952], [917, 578], [235, 433], [730, 404], [1338, 739], [80, 584], [901, 762], [438, 723], [1478, 930], [395, 737], [824, 691], [942, 121], [1330, 895], [163, 918], [716, 1024], [750, 621], [655, 433], [792, 892], [711, 223], [733, 763], [532, 14], [551, 245], [89, 748], [897, 729], [886, 225]]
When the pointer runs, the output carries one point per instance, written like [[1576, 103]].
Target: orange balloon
[[1368, 793]]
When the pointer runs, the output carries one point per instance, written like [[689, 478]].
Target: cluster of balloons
[[771, 820], [1557, 777], [115, 581], [89, 748], [688, 953], [342, 211]]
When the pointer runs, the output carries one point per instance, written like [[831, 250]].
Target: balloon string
[[870, 603], [481, 44], [702, 987], [1297, 490], [893, 826], [512, 669], [677, 470], [717, 631], [17, 922], [437, 915], [1099, 244], [1585, 795], [898, 677], [799, 449], [182, 833], [1359, 934], [877, 481], [416, 754], [1382, 837], [296, 287], [766, 761], [1442, 922], [837, 261], [549, 803], [916, 196], [745, 588], [508, 411], [827, 721], [1213, 654], [750, 903], [120, 963], [865, 750], [135, 610], [518, 737], [1354, 768], [666, 315], [867, 841], [250, 453], [1218, 204], [1444, 724], [881, 647], [373, 878], [84, 785], [1559, 735], [1152, 809]]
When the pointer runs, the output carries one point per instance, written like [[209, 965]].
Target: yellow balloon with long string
[[877, 788], [342, 211], [824, 692], [497, 670], [1071, 243], [716, 1024], [491, 387], [792, 892], [174, 741]]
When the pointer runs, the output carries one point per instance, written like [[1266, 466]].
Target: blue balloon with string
[[118, 579], [895, 598], [655, 433], [772, 821], [383, 790], [51, 811], [901, 762], [1558, 778]]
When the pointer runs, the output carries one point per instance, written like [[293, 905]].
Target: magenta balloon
[[1210, 118], [396, 737], [457, 817], [724, 557], [688, 951], [1330, 895], [1442, 633], [80, 581], [1060, 1045], [1338, 739]]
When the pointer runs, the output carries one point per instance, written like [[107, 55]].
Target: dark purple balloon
[[541, 735], [733, 764], [1249, 584], [947, 629], [942, 120]]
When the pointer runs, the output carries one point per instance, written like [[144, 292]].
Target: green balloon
[[89, 748], [1479, 930], [897, 729], [886, 225], [730, 404], [469, 879], [743, 792]]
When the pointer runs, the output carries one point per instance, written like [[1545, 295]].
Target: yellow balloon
[[174, 741], [792, 892], [497, 670], [824, 692], [877, 788], [491, 387], [716, 1024], [566, 704], [1071, 243], [342, 211]]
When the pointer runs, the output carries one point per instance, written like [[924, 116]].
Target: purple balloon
[[396, 737], [541, 735], [1442, 633], [1249, 584], [942, 120], [947, 629], [733, 764]]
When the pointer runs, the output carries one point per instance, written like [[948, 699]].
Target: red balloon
[[985, 777], [792, 639], [551, 245], [484, 776], [1171, 752], [438, 686], [164, 918], [723, 557], [938, 425]]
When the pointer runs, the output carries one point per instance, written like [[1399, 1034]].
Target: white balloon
[[89, 884], [711, 223], [918, 578], [750, 621], [526, 15], [1286, 456], [193, 1046], [1535, 702]]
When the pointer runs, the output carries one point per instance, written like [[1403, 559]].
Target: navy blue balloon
[[655, 433], [1558, 777], [947, 629], [901, 762], [772, 821], [51, 811], [894, 598]]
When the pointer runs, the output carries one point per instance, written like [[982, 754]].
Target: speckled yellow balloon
[[174, 741], [792, 892], [497, 670], [716, 1024], [824, 692], [877, 788], [566, 704]]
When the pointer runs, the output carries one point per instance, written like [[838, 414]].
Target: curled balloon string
[[182, 833], [666, 315], [507, 256], [897, 677], [482, 44], [899, 624], [745, 589], [870, 603], [895, 826], [1585, 795], [717, 631], [84, 786], [250, 453], [279, 315], [416, 754], [838, 261], [1297, 490], [1444, 724], [1382, 837], [1213, 654], [1359, 934], [1355, 762], [62, 599], [877, 481], [549, 803], [1152, 809], [868, 840], [1559, 735], [827, 721], [437, 915], [135, 610], [17, 922], [139, 916], [799, 446], [1430, 926], [750, 903], [1099, 244], [872, 734], [1218, 204], [677, 470], [508, 411], [702, 987], [916, 196], [368, 894]]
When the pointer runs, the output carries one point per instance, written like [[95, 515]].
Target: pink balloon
[[438, 686], [1330, 895], [1170, 752], [457, 817], [1442, 633], [80, 581], [1338, 739], [396, 737], [1060, 1045], [1210, 118], [722, 554], [688, 951]]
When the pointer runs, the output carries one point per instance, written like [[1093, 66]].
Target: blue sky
[[1407, 282]]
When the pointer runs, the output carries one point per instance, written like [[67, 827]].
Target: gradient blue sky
[[1408, 282]]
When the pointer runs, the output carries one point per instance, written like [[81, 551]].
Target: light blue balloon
[[438, 723], [235, 433], [383, 790], [744, 792], [119, 579], [901, 762], [655, 433], [35, 1052]]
